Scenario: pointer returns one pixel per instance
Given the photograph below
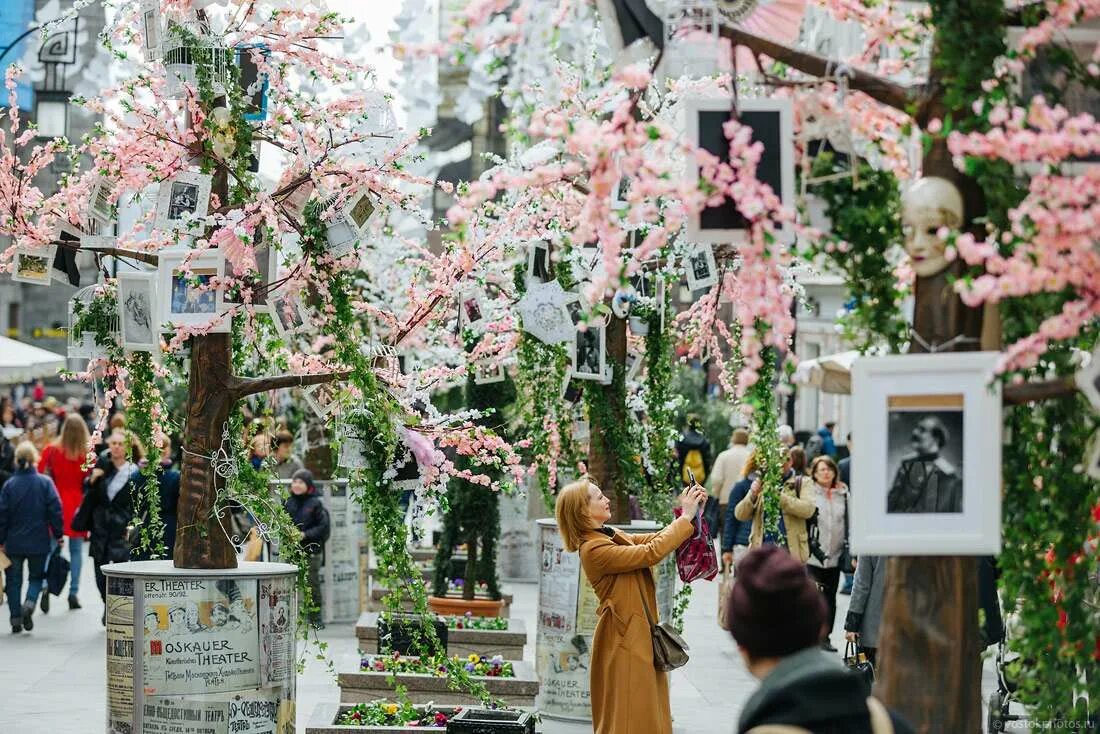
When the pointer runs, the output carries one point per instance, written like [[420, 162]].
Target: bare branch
[[1031, 392], [879, 88], [145, 257], [245, 386]]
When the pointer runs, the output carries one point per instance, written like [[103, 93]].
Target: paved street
[[53, 678]]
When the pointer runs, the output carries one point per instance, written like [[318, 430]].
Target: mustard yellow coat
[[796, 511], [629, 695]]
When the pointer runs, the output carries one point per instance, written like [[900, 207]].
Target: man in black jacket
[[309, 514]]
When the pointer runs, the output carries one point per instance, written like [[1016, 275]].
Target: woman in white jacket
[[832, 524]]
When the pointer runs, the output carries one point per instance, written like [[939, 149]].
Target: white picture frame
[[1088, 379], [471, 309], [99, 205], [538, 263], [287, 316], [33, 265], [352, 448], [138, 311], [152, 30], [634, 362], [183, 304], [183, 198], [700, 267], [619, 194], [782, 141], [589, 357], [487, 373], [322, 399], [346, 228], [925, 489]]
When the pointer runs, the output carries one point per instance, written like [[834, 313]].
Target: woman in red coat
[[63, 460]]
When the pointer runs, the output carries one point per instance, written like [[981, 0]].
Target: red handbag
[[696, 558]]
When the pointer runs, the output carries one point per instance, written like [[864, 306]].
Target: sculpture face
[[930, 204]]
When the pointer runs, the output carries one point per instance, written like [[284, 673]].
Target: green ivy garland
[[760, 397]]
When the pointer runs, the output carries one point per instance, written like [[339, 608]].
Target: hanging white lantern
[[691, 39]]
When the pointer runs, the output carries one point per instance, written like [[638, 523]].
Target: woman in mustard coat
[[629, 695]]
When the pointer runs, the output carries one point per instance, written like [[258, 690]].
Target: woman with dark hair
[[63, 461], [831, 498], [110, 505]]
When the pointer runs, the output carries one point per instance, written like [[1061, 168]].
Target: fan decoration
[[778, 20], [544, 314]]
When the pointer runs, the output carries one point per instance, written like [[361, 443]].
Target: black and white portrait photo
[[137, 308], [925, 460], [929, 431], [469, 307], [101, 200], [702, 271], [589, 356], [183, 202], [538, 263]]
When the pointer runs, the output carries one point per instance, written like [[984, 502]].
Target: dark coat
[[689, 440], [734, 531], [30, 512], [309, 514], [845, 468], [868, 599], [111, 518], [168, 486], [813, 690]]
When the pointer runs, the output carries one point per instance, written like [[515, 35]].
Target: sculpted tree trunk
[[602, 462]]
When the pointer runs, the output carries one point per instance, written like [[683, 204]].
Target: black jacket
[[689, 440], [309, 514], [168, 486], [30, 512], [111, 519], [813, 690]]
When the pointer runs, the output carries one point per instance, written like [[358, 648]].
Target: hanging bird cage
[[820, 127], [82, 344], [691, 39], [188, 54]]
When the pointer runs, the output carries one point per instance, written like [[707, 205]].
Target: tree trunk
[[202, 537], [602, 463]]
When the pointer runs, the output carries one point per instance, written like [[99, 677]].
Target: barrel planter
[[368, 685], [509, 642], [325, 715], [459, 718]]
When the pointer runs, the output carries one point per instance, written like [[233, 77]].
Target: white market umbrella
[[831, 373], [21, 362]]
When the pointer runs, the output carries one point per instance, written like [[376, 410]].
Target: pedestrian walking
[[831, 500], [845, 468], [736, 533], [63, 461], [30, 514], [796, 504], [777, 618], [864, 619], [308, 512], [693, 452], [108, 506], [286, 463], [728, 470], [628, 693]]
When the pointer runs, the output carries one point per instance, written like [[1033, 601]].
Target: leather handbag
[[724, 588], [858, 663], [696, 558], [57, 572], [669, 649]]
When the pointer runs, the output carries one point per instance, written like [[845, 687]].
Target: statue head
[[931, 203]]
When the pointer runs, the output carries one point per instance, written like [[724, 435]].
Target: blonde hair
[[571, 511], [73, 440], [26, 454]]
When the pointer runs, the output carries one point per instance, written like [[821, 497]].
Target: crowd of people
[[61, 497]]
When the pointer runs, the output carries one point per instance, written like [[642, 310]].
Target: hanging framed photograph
[[254, 83], [150, 29], [929, 435], [588, 355], [353, 449], [772, 126], [267, 269], [348, 225], [287, 316], [33, 264], [192, 295], [634, 362], [486, 372], [701, 268], [538, 263], [183, 202], [618, 195], [137, 311], [470, 310], [100, 205], [322, 399]]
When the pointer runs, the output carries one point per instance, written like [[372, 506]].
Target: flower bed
[[510, 682], [375, 718], [463, 637]]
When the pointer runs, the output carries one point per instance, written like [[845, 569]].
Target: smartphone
[[691, 477]]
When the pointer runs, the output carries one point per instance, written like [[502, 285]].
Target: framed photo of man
[[701, 268], [929, 432], [183, 202], [588, 356]]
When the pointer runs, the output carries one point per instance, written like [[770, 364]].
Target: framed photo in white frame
[[151, 29], [486, 373], [99, 205], [772, 123], [589, 350], [185, 295], [701, 267], [137, 311], [287, 316], [322, 399], [538, 263], [183, 202], [33, 264], [471, 311], [929, 460]]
